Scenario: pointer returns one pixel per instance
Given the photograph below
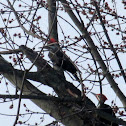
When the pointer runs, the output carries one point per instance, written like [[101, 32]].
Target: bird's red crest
[[51, 41], [103, 97]]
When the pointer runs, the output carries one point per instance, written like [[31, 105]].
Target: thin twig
[[18, 20], [110, 42]]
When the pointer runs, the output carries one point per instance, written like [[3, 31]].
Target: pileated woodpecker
[[59, 58], [105, 108]]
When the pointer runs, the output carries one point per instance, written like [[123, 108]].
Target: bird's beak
[[46, 47], [93, 94]]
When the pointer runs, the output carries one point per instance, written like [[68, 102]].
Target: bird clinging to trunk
[[59, 59], [105, 108]]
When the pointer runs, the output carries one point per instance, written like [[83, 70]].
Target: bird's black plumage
[[107, 109], [61, 60]]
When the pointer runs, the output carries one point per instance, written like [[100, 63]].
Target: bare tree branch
[[94, 51], [48, 106], [18, 20], [110, 42]]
